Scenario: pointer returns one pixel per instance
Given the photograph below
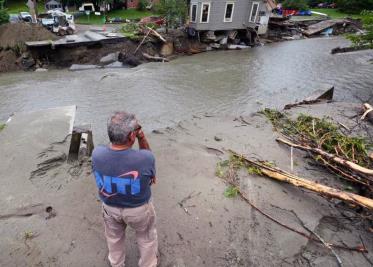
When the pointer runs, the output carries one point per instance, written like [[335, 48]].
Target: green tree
[[142, 5], [354, 6], [4, 16], [295, 4], [367, 37], [174, 12]]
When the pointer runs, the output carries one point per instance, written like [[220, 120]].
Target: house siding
[[240, 19]]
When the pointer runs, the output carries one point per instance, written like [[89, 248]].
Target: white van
[[87, 7]]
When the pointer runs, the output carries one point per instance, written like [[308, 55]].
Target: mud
[[197, 225], [12, 42]]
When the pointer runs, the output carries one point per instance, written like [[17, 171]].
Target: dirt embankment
[[12, 42], [129, 52]]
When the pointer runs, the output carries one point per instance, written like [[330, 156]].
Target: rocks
[[27, 62], [77, 67], [129, 59], [108, 59], [41, 70]]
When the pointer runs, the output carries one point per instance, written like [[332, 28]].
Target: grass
[[336, 13], [2, 126], [131, 14], [16, 6]]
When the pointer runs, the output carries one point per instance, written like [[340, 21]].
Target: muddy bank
[[12, 43], [129, 52], [214, 231]]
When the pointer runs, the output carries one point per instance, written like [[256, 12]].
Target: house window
[[193, 13], [205, 12], [254, 12], [229, 7]]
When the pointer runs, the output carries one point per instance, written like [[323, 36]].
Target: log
[[283, 176], [322, 189], [156, 34], [367, 112], [154, 58], [137, 48], [351, 165], [316, 97]]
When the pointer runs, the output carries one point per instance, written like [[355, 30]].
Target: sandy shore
[[216, 231]]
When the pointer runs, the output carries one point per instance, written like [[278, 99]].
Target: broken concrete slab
[[77, 67], [110, 58], [323, 25], [29, 142]]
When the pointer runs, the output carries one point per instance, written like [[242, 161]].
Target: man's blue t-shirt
[[123, 176]]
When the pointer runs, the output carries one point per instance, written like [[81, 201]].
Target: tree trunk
[[280, 175], [353, 166]]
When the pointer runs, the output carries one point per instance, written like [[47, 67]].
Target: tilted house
[[221, 15]]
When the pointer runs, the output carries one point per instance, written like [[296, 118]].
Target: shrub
[[367, 37], [174, 11], [4, 16], [295, 4], [354, 6], [142, 5]]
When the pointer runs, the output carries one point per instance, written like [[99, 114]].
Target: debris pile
[[344, 155], [282, 28], [233, 39]]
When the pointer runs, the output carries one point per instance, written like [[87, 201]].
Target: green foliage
[[354, 6], [2, 126], [295, 4], [174, 11], [231, 191], [321, 133], [142, 5], [4, 16], [254, 170], [365, 39], [130, 30]]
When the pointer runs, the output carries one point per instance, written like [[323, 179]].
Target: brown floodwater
[[222, 82]]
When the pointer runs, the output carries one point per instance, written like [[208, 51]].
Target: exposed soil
[[15, 34], [12, 42], [8, 61]]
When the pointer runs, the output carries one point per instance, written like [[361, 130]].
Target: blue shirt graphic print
[[123, 176]]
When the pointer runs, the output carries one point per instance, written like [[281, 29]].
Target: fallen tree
[[346, 163], [259, 167], [267, 170], [344, 155]]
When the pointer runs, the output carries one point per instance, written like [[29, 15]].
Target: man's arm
[[143, 143]]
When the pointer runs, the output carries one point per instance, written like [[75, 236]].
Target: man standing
[[123, 177]]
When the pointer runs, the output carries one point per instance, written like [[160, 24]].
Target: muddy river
[[223, 82]]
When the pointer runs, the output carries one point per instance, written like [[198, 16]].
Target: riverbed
[[221, 82]]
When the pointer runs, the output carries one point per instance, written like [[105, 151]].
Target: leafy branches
[[365, 39]]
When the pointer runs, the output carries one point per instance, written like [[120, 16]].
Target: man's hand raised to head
[[143, 143]]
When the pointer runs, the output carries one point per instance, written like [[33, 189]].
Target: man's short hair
[[119, 126]]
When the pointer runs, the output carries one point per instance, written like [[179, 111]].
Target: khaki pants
[[142, 220]]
